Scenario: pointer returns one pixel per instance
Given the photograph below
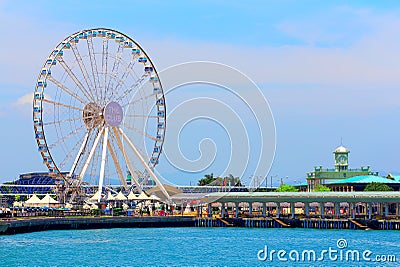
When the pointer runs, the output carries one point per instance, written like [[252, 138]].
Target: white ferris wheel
[[99, 112]]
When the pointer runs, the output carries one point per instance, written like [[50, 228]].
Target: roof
[[341, 149], [365, 179], [48, 200], [301, 197], [33, 200]]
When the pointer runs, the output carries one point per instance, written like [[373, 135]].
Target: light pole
[[282, 179], [273, 176]]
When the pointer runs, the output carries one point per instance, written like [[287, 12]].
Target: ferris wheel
[[99, 112]]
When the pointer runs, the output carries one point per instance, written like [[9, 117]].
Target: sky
[[328, 69]]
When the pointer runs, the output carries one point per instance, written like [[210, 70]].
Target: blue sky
[[329, 69]]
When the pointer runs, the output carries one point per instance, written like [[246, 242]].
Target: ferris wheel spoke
[[126, 157], [117, 165], [61, 104], [141, 132], [142, 116], [104, 66], [64, 88], [80, 153], [72, 133], [73, 77], [138, 84], [93, 63], [70, 153], [103, 161], [61, 121], [144, 98], [145, 165], [83, 69], [91, 153], [114, 70], [128, 69]]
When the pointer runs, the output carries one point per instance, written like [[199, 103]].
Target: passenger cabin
[[39, 95], [119, 39], [128, 44], [156, 90], [153, 79], [135, 51], [47, 160], [157, 149], [110, 35], [42, 148], [66, 45], [160, 102], [58, 53], [45, 72], [75, 40], [39, 136], [160, 125], [142, 59], [160, 114], [37, 109], [51, 61], [41, 84], [37, 122], [148, 69], [153, 160]]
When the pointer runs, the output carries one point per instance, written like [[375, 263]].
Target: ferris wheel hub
[[92, 115]]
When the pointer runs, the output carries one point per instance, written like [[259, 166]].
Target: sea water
[[202, 247]]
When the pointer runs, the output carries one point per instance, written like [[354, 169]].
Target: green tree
[[17, 197], [207, 180], [378, 187], [286, 188], [321, 188]]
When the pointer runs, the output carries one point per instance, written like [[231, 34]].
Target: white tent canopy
[[143, 196], [110, 196], [95, 197], [154, 197], [132, 196], [120, 196], [33, 201], [47, 200]]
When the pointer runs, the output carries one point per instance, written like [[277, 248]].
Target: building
[[340, 172]]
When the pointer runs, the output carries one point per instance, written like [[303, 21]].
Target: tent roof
[[172, 190], [143, 196], [95, 197], [48, 200], [33, 200], [132, 196], [120, 196], [110, 196]]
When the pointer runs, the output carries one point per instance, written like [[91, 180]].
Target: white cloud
[[24, 100]]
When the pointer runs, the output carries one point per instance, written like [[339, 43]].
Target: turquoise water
[[191, 247]]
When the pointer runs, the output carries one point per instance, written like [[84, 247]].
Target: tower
[[341, 158]]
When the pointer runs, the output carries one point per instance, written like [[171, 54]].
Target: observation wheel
[[99, 112]]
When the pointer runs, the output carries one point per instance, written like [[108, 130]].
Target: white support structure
[[117, 165], [128, 162], [80, 153], [103, 162], [159, 184], [87, 162]]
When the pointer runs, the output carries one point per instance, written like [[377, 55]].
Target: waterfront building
[[341, 171]]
